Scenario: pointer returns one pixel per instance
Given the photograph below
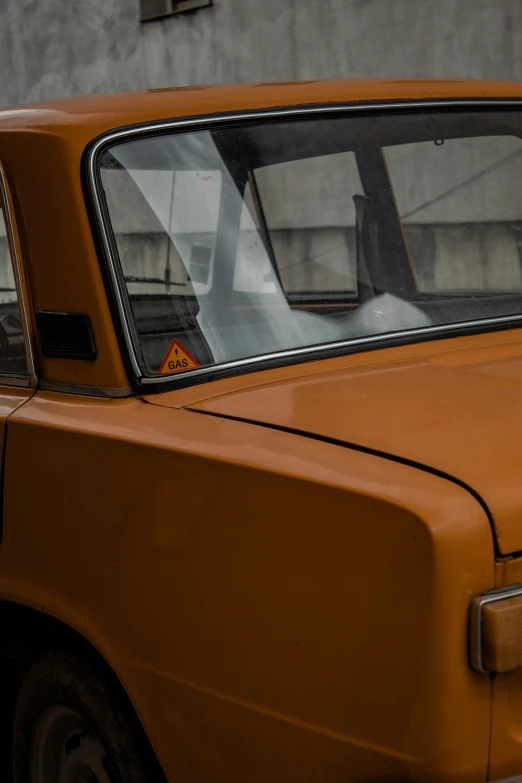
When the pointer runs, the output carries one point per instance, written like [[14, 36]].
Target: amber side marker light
[[496, 631]]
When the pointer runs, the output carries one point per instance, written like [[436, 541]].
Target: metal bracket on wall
[[151, 10]]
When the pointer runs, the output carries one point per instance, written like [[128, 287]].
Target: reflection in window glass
[[461, 211], [250, 241], [253, 271], [175, 235], [314, 248]]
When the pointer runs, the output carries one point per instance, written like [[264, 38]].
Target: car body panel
[[284, 597], [457, 413], [227, 620], [62, 263], [506, 716], [85, 117], [11, 398]]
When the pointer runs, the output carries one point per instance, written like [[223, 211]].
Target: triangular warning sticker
[[178, 359]]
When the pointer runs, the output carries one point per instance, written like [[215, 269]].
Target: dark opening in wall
[[151, 10]]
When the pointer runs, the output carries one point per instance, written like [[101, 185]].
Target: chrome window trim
[[475, 637], [7, 379], [313, 350], [198, 123]]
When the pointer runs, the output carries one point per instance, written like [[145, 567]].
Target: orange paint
[[277, 566]]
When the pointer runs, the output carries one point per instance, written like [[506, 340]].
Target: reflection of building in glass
[[459, 201]]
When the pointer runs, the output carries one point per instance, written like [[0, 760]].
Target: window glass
[[460, 202], [12, 346], [253, 272], [314, 248], [171, 243], [253, 241]]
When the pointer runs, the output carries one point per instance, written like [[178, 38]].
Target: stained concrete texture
[[52, 48]]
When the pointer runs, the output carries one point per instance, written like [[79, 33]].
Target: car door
[[17, 374]]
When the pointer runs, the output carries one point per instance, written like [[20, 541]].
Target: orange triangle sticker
[[178, 359]]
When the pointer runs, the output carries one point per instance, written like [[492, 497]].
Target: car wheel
[[73, 724]]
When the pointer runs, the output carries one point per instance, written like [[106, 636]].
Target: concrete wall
[[56, 48], [51, 48]]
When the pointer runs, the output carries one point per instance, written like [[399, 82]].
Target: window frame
[[112, 268], [28, 379]]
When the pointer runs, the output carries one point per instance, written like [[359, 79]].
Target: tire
[[73, 722]]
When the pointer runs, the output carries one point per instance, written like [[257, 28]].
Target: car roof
[[96, 114]]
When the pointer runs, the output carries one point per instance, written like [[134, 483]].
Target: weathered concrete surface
[[52, 48], [56, 48]]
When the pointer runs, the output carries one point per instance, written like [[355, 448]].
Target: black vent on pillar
[[66, 336]]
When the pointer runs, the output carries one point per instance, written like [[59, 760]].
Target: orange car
[[261, 430]]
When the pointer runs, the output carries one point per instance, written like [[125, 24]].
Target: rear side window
[[13, 360], [239, 244]]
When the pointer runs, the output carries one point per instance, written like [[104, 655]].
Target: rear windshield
[[252, 241]]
